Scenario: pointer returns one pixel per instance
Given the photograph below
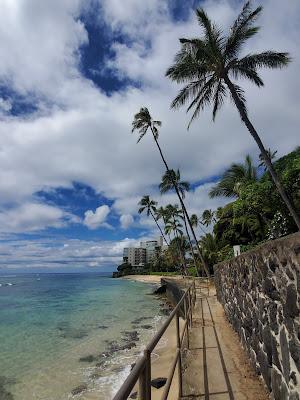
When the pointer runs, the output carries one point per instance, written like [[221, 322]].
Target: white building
[[139, 256]]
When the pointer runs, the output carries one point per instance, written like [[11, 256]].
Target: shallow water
[[49, 321]]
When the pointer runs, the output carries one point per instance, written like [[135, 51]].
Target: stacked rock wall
[[260, 292]]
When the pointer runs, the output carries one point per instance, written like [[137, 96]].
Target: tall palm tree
[[177, 213], [148, 205], [234, 178], [142, 122], [208, 217], [171, 181], [174, 226], [209, 66]]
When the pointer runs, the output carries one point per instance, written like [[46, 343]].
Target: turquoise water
[[48, 322]]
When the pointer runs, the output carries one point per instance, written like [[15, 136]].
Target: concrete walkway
[[216, 366]]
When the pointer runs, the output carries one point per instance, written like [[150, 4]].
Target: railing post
[[179, 357], [186, 315], [190, 307], [145, 379]]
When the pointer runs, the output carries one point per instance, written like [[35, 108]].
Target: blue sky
[[72, 75]]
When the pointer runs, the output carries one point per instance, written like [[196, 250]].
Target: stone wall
[[174, 292], [260, 292]]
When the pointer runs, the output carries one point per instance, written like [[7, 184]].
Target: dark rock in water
[[139, 320], [133, 395], [90, 358], [4, 380], [131, 335], [79, 389], [5, 395], [161, 290], [157, 383], [132, 366], [67, 332], [127, 346], [146, 326], [102, 327], [114, 346]]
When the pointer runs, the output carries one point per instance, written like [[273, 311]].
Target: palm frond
[[188, 92], [203, 99], [241, 72], [241, 96], [186, 65], [212, 33], [220, 93], [267, 59], [241, 30]]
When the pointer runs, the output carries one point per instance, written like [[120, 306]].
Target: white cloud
[[82, 134], [54, 253], [94, 220], [30, 217], [126, 220]]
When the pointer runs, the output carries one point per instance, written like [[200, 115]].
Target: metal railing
[[141, 372]]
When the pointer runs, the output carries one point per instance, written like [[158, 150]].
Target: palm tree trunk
[[182, 206], [178, 246], [191, 246], [159, 228], [263, 151]]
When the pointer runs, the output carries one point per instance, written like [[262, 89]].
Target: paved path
[[215, 366]]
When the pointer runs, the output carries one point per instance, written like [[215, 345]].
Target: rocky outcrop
[[174, 292], [260, 292]]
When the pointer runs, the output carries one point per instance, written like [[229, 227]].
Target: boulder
[[157, 383]]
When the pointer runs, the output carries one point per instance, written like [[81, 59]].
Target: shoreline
[[163, 354], [148, 278]]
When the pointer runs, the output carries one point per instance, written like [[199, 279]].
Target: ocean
[[67, 333]]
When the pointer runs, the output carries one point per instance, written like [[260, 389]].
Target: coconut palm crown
[[143, 121], [172, 178], [149, 205], [206, 64]]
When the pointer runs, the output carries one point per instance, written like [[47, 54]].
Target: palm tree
[[209, 65], [174, 226], [176, 213], [142, 122], [171, 180], [234, 178], [208, 217], [148, 205]]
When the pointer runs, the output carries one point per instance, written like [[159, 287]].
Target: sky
[[72, 75]]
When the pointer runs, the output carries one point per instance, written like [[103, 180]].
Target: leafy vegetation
[[256, 215]]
